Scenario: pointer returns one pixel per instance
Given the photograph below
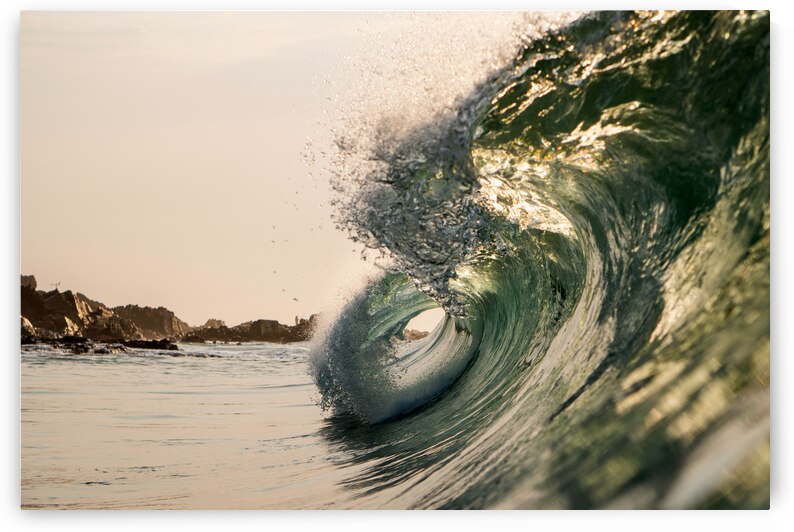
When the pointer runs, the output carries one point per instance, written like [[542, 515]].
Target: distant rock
[[28, 331], [73, 344], [93, 304], [49, 316], [106, 326], [154, 323], [304, 328], [411, 334], [62, 313], [82, 345], [54, 316], [151, 344], [193, 338], [109, 349], [255, 331]]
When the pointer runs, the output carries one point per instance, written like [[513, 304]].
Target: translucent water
[[594, 218]]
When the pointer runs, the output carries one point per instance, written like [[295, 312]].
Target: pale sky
[[159, 151], [161, 158]]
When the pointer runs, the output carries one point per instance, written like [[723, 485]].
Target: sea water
[[221, 426]]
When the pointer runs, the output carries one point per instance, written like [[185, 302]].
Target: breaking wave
[[594, 219]]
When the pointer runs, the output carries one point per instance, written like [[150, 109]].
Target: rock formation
[[73, 319], [411, 334], [29, 281], [255, 331], [154, 323], [54, 314]]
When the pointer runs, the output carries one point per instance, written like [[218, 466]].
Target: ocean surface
[[207, 427], [593, 218]]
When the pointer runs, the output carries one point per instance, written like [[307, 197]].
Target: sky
[[161, 161], [162, 152]]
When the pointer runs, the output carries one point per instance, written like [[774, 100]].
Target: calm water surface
[[216, 427]]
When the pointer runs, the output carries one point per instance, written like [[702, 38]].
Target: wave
[[594, 219]]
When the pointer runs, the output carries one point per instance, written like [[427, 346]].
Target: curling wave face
[[594, 219]]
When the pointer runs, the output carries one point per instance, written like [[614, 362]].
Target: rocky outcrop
[[154, 323], [28, 331], [411, 334], [63, 313], [304, 328], [106, 326], [163, 344], [81, 345], [54, 315], [92, 303], [256, 331], [65, 316]]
